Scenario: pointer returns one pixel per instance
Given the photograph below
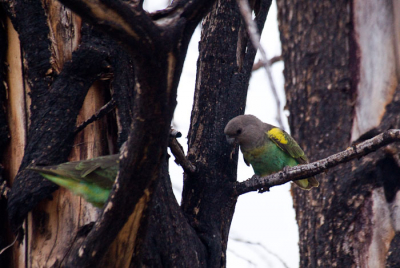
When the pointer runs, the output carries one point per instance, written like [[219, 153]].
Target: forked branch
[[304, 171]]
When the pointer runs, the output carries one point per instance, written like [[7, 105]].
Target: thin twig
[[108, 107], [175, 133], [260, 63], [255, 39], [180, 157], [304, 171], [263, 247], [241, 257], [12, 244]]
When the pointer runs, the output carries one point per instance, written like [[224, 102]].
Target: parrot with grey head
[[91, 179], [267, 148]]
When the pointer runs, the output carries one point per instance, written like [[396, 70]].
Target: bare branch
[[242, 257], [128, 23], [304, 171], [173, 133], [191, 11], [262, 246], [272, 60], [139, 31], [108, 107], [180, 157], [255, 39], [10, 245]]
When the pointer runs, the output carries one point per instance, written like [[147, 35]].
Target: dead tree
[[342, 84], [126, 63]]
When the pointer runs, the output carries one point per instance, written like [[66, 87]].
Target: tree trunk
[[342, 82], [61, 71]]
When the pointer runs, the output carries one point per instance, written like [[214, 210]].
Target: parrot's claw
[[286, 169], [261, 190]]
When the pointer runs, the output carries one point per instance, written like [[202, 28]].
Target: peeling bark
[[330, 55]]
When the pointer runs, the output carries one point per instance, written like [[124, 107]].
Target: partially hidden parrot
[[267, 148], [91, 179]]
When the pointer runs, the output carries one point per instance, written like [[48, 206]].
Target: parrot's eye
[[239, 131]]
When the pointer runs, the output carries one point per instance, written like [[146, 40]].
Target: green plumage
[[91, 179], [267, 148], [271, 154]]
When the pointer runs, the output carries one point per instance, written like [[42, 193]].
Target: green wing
[[100, 170], [284, 141]]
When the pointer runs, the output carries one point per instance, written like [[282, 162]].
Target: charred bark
[[220, 94], [326, 82], [54, 109], [142, 224]]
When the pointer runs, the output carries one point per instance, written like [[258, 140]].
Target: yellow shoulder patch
[[278, 135]]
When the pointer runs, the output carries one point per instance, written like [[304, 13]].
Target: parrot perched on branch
[[91, 179], [267, 148]]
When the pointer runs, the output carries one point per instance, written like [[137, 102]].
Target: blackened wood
[[223, 74], [393, 258], [319, 96], [30, 21], [123, 85], [153, 109], [169, 240], [336, 221], [54, 112], [139, 168]]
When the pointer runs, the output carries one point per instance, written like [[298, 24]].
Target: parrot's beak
[[230, 140]]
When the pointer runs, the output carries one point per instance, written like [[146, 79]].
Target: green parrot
[[91, 179], [267, 148]]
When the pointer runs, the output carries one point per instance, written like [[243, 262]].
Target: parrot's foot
[[286, 169], [261, 190]]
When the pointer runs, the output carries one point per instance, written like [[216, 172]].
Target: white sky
[[266, 219]]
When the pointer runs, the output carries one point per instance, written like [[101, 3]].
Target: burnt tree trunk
[[342, 83], [59, 69]]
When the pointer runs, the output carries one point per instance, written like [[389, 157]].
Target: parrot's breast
[[268, 159]]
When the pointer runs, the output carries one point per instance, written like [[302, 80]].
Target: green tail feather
[[91, 192], [307, 184], [91, 179]]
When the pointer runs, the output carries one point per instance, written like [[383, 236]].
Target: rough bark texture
[[220, 94], [329, 50], [61, 79]]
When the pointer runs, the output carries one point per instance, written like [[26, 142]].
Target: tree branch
[[192, 11], [272, 60], [261, 246], [180, 157], [255, 39], [55, 104], [108, 107], [125, 22], [314, 168], [155, 50]]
